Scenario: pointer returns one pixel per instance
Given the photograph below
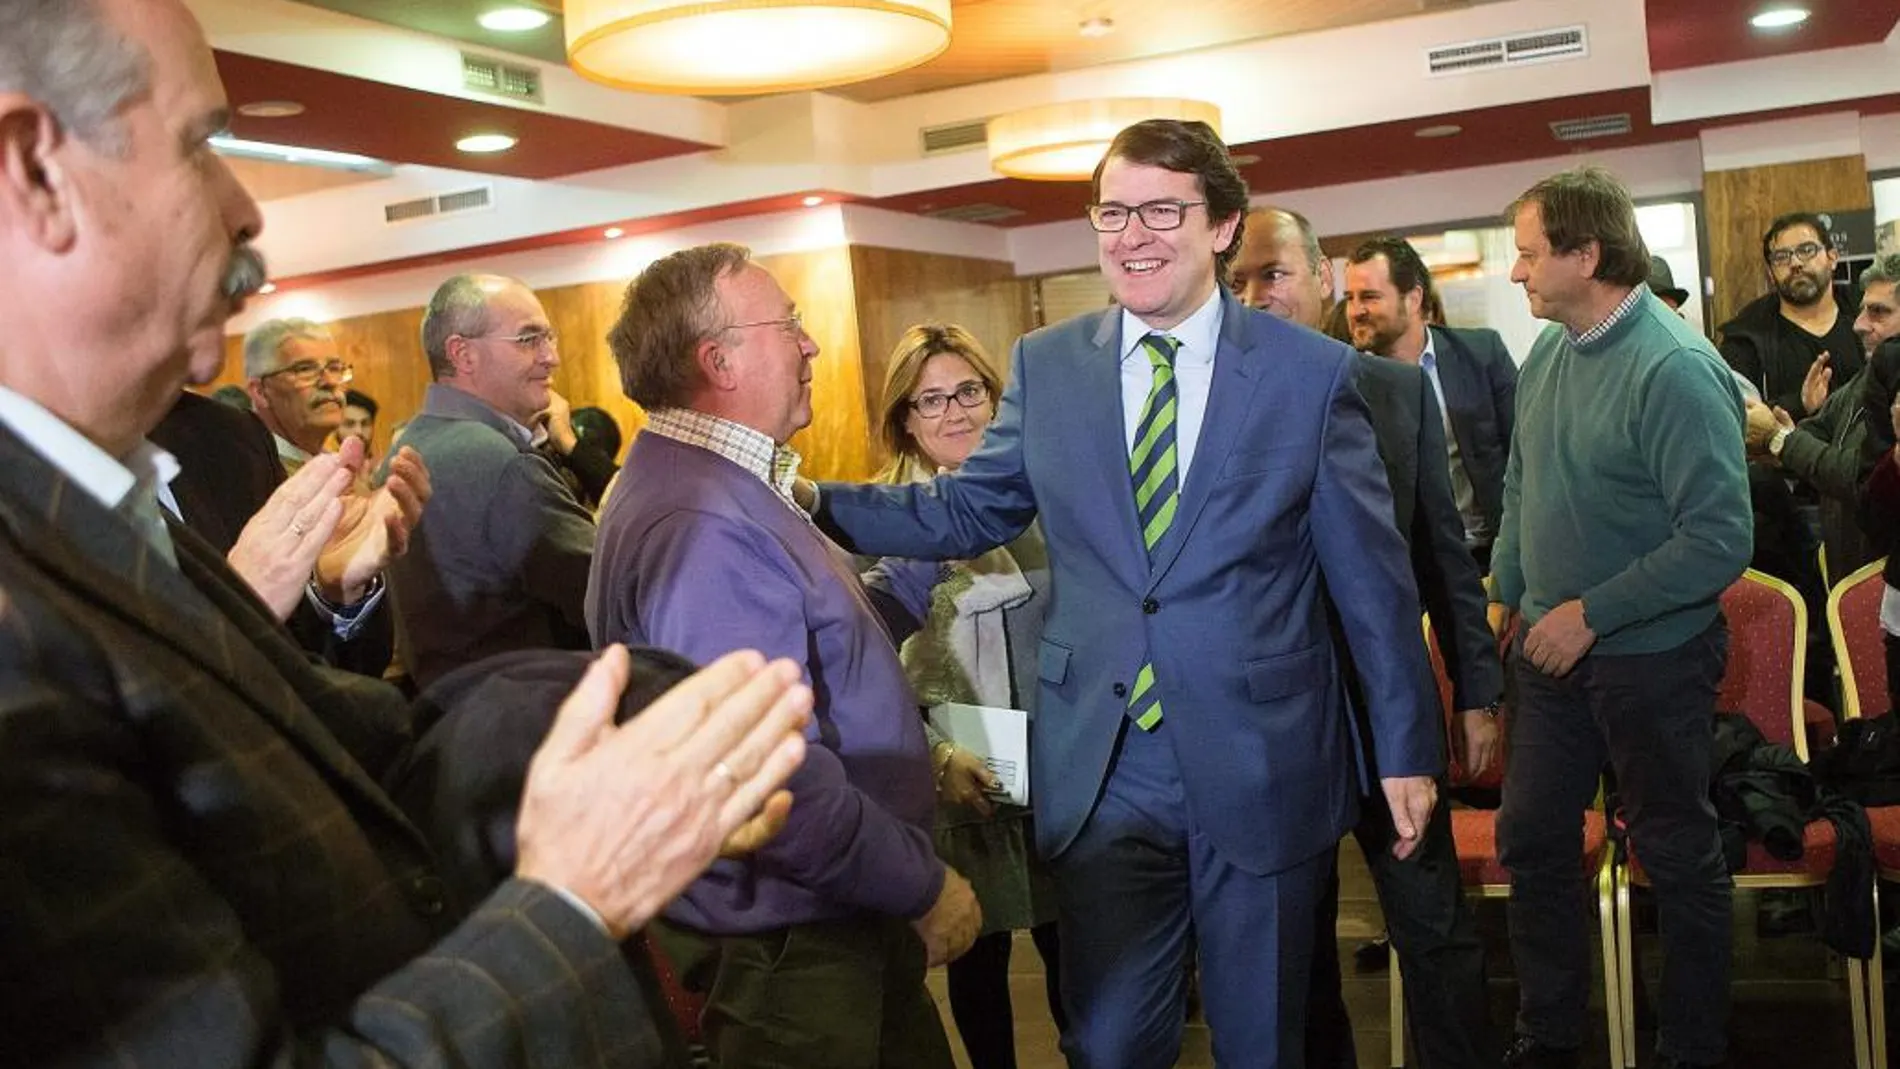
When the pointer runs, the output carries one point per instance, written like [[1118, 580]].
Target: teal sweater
[[1627, 484]]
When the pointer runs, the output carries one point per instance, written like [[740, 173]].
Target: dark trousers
[[1439, 951], [979, 995], [1651, 716], [1131, 886], [843, 994], [1893, 670]]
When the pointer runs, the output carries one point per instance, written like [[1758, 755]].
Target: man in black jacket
[[1280, 270], [1775, 340]]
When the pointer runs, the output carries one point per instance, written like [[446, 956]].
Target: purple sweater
[[697, 555]]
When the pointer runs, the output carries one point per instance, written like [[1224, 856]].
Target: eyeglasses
[[307, 373], [532, 339], [791, 325], [969, 395], [1803, 252], [1155, 215]]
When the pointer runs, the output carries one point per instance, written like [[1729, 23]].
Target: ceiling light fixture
[[813, 201], [1099, 26], [1448, 129], [313, 157], [1063, 142], [514, 19], [270, 109], [613, 232], [735, 47], [1779, 18], [481, 144]]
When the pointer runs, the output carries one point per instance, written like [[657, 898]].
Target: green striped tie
[[1153, 468]]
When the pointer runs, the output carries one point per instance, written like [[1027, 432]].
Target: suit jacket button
[[428, 895], [1150, 606], [1119, 690]]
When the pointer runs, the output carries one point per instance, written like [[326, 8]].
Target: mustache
[[245, 274]]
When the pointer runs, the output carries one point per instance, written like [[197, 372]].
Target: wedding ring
[[296, 528], [724, 772]]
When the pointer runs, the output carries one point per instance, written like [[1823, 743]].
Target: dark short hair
[[359, 399], [1585, 205], [1190, 147], [1787, 222], [596, 425], [1403, 262], [668, 310]]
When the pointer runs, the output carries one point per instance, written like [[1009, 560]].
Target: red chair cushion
[[1885, 820], [1476, 833], [1817, 856]]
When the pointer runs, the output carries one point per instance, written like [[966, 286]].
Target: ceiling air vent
[[955, 137], [976, 213], [462, 200], [1594, 126], [1541, 46], [482, 74]]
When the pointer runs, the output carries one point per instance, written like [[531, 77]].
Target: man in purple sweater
[[814, 950]]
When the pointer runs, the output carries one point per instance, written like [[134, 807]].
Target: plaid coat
[[195, 867]]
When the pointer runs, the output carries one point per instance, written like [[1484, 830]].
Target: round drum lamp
[[1063, 142], [750, 47]]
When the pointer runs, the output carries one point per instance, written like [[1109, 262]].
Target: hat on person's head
[[1662, 282]]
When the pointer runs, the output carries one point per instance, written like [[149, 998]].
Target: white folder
[[997, 736]]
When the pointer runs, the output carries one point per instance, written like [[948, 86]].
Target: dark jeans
[[1440, 954], [979, 995], [1650, 716], [843, 994], [1893, 670]]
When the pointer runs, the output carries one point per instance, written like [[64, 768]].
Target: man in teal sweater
[[1626, 514]]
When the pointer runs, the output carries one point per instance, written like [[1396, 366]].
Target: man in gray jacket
[[500, 562]]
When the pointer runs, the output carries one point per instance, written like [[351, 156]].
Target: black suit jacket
[[196, 869], [1411, 440], [228, 467], [1480, 383]]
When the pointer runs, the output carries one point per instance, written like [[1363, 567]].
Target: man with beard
[[1776, 339], [1281, 270], [1474, 380], [296, 385]]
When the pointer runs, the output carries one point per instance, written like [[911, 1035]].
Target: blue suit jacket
[[1285, 504]]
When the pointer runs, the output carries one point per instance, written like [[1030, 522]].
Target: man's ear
[[260, 400], [715, 366], [35, 195]]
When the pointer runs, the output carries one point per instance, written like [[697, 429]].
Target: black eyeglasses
[[969, 395], [1155, 214], [1803, 252], [308, 373]]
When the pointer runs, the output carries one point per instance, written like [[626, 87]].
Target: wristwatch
[[1491, 710]]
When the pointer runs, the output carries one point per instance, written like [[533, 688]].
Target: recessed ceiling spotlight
[[484, 143], [514, 19], [613, 232], [267, 288], [1441, 130], [1779, 18], [270, 109], [1099, 26], [1244, 159], [813, 201]]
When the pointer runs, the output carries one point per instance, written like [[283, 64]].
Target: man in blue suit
[[1207, 482]]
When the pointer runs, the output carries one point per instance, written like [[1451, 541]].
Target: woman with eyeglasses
[[977, 647]]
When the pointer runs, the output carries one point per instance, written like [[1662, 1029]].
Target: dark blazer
[[1411, 441], [228, 468], [499, 561], [195, 870], [1285, 500], [1480, 383]]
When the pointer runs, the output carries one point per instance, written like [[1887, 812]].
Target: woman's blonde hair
[[905, 369]]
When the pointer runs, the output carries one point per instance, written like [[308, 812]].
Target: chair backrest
[[1493, 778], [1853, 618], [1767, 657]]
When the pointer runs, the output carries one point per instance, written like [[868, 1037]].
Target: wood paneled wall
[[897, 290], [844, 294], [1741, 203]]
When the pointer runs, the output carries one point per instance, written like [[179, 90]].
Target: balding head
[[1280, 268]]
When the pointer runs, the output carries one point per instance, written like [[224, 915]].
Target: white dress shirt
[[1198, 335], [129, 487]]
